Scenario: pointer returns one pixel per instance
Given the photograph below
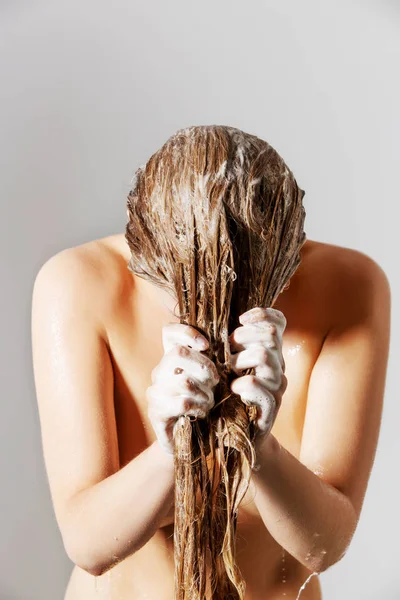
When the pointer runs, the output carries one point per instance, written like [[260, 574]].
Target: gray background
[[88, 91]]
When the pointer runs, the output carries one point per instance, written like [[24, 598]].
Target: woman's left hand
[[257, 343]]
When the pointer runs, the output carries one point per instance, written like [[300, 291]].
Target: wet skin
[[97, 336]]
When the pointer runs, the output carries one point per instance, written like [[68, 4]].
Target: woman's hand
[[182, 382], [258, 343]]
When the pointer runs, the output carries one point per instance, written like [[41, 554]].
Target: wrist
[[267, 448], [164, 458]]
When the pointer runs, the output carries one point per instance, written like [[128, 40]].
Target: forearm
[[311, 519], [114, 518]]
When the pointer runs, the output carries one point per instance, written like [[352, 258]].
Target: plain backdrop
[[88, 91]]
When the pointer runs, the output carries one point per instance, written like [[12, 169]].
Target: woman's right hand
[[182, 383]]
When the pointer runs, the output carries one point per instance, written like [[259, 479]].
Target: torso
[[133, 326]]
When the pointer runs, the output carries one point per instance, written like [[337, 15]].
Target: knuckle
[[263, 355], [187, 404], [182, 350], [211, 365], [252, 379], [192, 408], [212, 369], [190, 384]]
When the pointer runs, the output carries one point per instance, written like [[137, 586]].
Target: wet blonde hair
[[216, 218]]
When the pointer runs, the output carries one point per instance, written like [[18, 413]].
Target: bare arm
[[311, 506], [117, 516], [104, 514]]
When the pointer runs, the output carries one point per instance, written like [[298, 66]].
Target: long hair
[[216, 218]]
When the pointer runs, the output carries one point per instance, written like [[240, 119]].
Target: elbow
[[326, 558], [82, 555], [91, 555], [89, 547], [80, 542], [83, 551], [321, 561], [94, 570]]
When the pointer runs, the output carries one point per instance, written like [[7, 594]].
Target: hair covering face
[[216, 218]]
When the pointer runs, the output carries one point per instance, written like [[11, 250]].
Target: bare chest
[[136, 348], [134, 333]]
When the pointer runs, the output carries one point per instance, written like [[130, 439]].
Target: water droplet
[[283, 566], [305, 583], [294, 349]]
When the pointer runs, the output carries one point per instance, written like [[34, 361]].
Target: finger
[[188, 360], [180, 333], [254, 333], [169, 399], [163, 408], [267, 363], [252, 390], [250, 387], [200, 392], [258, 314]]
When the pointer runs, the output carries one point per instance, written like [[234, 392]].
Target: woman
[[108, 347]]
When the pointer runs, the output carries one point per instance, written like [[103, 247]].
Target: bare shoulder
[[340, 259], [344, 282], [90, 275]]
